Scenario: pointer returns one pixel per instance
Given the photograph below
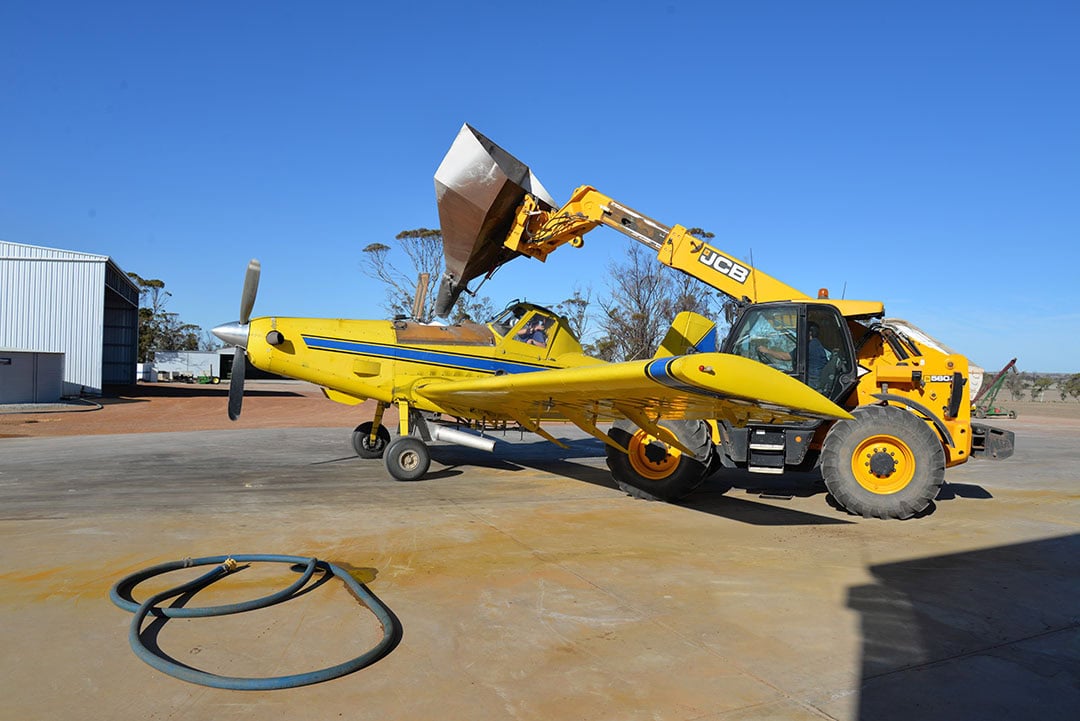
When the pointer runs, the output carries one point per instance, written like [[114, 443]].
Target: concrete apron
[[528, 587]]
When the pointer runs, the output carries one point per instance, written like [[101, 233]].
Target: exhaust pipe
[[449, 435]]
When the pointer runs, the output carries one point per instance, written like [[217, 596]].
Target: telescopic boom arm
[[537, 233]]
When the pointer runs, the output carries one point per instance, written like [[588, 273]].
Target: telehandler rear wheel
[[653, 470], [886, 463], [361, 440]]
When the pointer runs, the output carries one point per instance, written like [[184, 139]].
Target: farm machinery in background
[[984, 404]]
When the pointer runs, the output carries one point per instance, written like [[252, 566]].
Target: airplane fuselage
[[385, 360]]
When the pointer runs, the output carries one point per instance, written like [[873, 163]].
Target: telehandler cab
[[909, 395]]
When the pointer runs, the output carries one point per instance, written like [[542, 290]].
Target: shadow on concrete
[[710, 498], [536, 456], [728, 493], [952, 491], [989, 634], [746, 510], [513, 453]]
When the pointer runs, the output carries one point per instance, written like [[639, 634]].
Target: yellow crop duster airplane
[[524, 367]]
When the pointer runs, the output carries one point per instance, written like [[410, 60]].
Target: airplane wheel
[[361, 440], [407, 458], [653, 470], [886, 463]]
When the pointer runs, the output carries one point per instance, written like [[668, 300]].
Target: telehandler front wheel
[[361, 440], [885, 463], [654, 470]]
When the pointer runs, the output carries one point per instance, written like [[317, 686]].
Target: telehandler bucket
[[478, 187]]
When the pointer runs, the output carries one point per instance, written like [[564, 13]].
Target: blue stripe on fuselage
[[658, 371], [420, 355]]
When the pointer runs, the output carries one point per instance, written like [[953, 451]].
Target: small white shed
[[31, 376], [181, 364]]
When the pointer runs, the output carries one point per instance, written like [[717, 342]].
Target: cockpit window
[[534, 325], [535, 330], [503, 322]]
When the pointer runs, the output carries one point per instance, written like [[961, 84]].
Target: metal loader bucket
[[478, 187]]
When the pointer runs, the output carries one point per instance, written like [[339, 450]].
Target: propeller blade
[[236, 384], [251, 287]]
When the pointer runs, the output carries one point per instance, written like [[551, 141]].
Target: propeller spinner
[[237, 334]]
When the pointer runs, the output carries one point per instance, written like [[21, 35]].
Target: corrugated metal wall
[[53, 300]]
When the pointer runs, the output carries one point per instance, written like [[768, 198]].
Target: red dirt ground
[[162, 407]]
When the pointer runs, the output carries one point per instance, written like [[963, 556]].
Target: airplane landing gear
[[362, 443], [407, 458]]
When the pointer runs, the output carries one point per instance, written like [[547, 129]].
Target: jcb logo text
[[723, 265]]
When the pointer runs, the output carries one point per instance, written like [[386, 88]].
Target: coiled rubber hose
[[121, 595]]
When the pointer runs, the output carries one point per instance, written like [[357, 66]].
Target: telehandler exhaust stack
[[478, 187]]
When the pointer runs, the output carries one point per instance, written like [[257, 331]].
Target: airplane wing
[[698, 386]]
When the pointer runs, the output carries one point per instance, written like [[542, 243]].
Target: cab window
[[768, 335], [827, 354], [807, 342]]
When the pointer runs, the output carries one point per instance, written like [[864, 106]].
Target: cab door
[[807, 341]]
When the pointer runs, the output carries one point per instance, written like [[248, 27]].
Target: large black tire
[[361, 440], [886, 463], [407, 458], [655, 471]]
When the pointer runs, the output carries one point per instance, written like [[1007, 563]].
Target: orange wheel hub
[[883, 464], [651, 458]]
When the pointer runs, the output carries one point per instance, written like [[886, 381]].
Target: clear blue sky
[[926, 154]]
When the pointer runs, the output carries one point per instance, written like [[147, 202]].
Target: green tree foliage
[[424, 249], [159, 329], [633, 314], [644, 297], [576, 311], [1039, 387], [470, 309], [1071, 385], [1016, 384]]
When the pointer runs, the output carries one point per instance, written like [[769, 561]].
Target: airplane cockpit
[[536, 326]]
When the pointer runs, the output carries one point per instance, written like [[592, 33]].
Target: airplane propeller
[[251, 287], [236, 384], [236, 334]]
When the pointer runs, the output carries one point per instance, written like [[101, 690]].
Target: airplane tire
[[361, 440], [653, 470], [407, 458], [886, 463]]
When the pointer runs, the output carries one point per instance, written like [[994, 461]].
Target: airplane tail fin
[[689, 333]]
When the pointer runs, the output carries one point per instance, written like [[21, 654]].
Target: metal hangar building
[[69, 324]]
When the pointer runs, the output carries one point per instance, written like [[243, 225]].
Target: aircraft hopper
[[478, 188]]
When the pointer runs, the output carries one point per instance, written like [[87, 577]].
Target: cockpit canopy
[[536, 326]]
